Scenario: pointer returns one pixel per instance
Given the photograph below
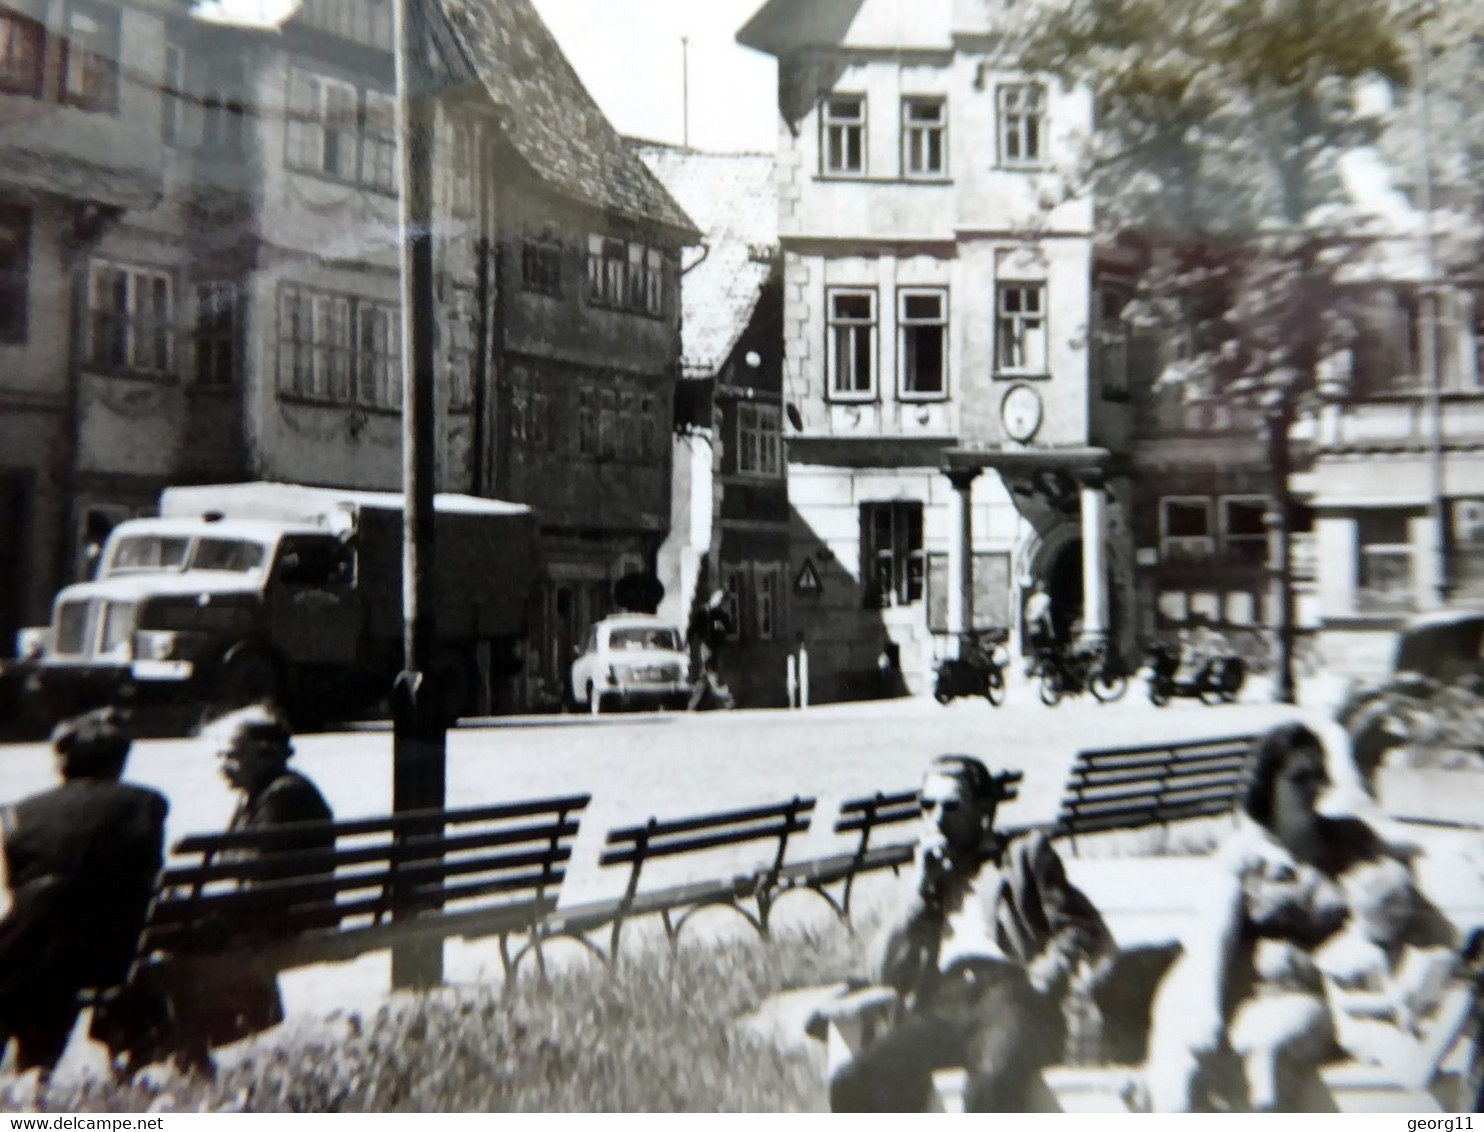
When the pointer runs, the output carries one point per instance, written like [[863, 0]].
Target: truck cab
[[210, 607]]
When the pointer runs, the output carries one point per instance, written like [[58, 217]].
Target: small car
[[631, 659]]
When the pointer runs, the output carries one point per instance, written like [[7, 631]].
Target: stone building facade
[[956, 427]]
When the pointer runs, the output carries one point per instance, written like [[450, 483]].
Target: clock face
[[1021, 412]]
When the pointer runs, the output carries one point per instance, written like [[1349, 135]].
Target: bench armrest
[[851, 1022]]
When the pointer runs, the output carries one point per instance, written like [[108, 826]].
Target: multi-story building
[[212, 290], [952, 355], [1397, 478], [730, 527]]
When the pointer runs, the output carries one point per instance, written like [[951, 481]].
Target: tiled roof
[[550, 118], [731, 197]]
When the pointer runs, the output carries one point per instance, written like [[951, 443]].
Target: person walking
[[81, 860]]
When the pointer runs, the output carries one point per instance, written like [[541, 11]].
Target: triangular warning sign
[[808, 580]]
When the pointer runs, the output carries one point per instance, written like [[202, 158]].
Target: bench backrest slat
[[657, 829], [308, 861], [430, 821], [1132, 787], [759, 831]]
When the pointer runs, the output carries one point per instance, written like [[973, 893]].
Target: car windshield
[[643, 638], [235, 556], [143, 554]]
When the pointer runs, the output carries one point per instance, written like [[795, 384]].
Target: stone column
[[1093, 491], [961, 556]]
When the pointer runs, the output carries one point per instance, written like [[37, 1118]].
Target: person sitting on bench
[[983, 954]]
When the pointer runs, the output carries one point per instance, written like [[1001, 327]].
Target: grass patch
[[655, 1035]]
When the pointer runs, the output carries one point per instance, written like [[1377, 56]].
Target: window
[[172, 96], [607, 263], [1110, 345], [587, 424], [851, 346], [541, 265], [649, 432], [339, 349], [732, 585], [628, 427], [90, 76], [765, 583], [15, 271], [1244, 529], [1185, 528], [1466, 563], [1021, 124], [924, 137], [758, 444], [625, 275], [379, 142], [464, 168], [217, 321], [22, 47], [922, 324], [459, 363], [130, 325], [891, 553], [322, 125], [223, 123], [843, 124], [1385, 567], [654, 281], [607, 423], [1020, 328]]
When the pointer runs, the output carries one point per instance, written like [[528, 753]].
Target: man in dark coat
[[82, 860], [983, 954], [218, 998]]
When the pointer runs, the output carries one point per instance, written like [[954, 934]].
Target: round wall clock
[[1021, 412]]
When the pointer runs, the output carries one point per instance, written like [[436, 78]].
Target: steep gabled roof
[[550, 118], [732, 197]]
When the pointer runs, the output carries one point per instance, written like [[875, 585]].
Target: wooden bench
[[317, 892], [639, 845], [1118, 788], [863, 817]]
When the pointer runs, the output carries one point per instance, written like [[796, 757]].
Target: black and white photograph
[[599, 556]]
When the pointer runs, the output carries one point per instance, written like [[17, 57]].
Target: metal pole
[[1437, 499], [419, 753]]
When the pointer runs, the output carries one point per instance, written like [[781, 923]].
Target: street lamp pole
[[419, 751]]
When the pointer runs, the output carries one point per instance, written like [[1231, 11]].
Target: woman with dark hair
[[1245, 1010], [81, 860]]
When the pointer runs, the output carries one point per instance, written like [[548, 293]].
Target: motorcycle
[[978, 670], [1216, 680], [1070, 672]]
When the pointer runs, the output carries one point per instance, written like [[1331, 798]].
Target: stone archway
[[1057, 561]]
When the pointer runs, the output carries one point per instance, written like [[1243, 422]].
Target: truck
[[288, 595]]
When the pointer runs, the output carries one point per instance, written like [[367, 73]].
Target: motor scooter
[[978, 670], [1216, 680]]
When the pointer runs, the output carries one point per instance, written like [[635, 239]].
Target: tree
[[1220, 147]]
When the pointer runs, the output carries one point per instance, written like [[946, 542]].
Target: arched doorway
[[1060, 567]]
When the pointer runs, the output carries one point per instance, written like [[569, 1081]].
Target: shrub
[[656, 1034]]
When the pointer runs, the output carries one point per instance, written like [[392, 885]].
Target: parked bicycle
[[1071, 671], [978, 670]]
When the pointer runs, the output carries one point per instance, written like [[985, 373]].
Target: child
[[1385, 973]]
